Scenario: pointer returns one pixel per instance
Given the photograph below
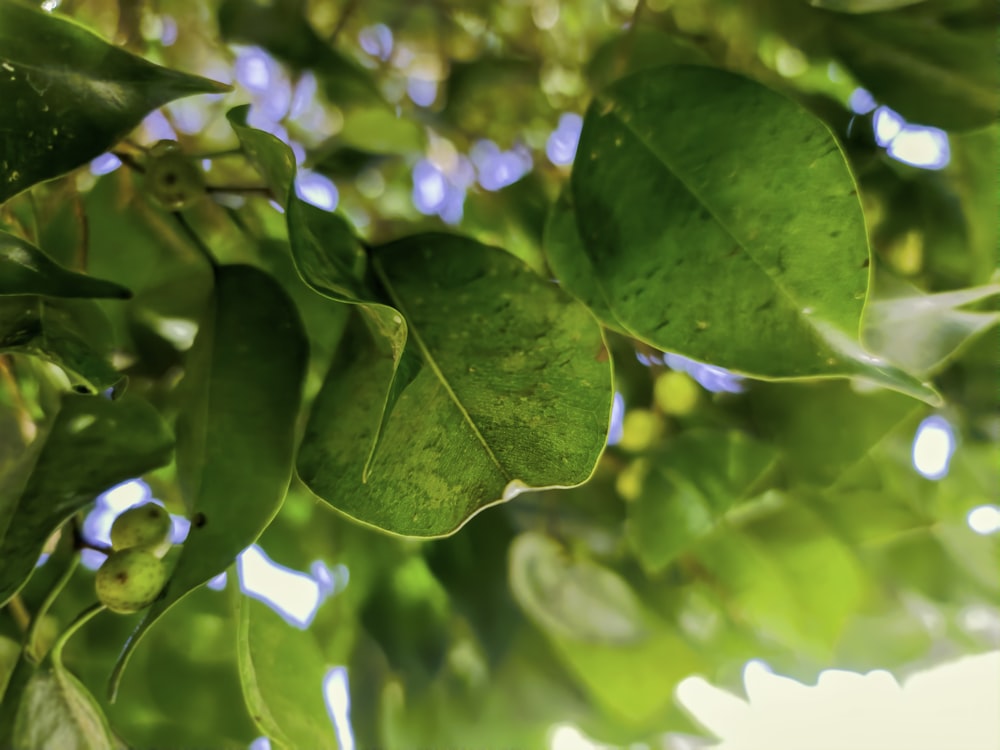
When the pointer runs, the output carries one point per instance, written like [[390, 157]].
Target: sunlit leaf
[[929, 73], [69, 96], [689, 486], [72, 334], [282, 671], [24, 269], [92, 445], [575, 599], [484, 417], [58, 711], [242, 394], [921, 331], [744, 248]]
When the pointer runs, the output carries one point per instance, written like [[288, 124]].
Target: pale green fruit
[[676, 393], [146, 526], [130, 580], [641, 429], [173, 180]]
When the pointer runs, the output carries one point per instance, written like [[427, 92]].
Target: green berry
[[676, 393], [130, 580], [641, 428], [173, 180], [144, 526]]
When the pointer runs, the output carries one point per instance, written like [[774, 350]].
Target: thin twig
[[19, 612], [345, 15], [194, 237]]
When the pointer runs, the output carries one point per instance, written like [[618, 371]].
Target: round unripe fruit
[[130, 580], [641, 429], [676, 393], [145, 526], [173, 180]]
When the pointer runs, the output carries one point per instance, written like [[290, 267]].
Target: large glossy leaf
[[575, 599], [721, 222], [69, 96], [485, 417], [72, 334], [921, 331], [331, 260], [24, 269], [93, 444], [688, 489], [235, 435], [282, 671], [928, 72]]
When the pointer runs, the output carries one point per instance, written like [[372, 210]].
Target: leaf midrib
[[432, 362]]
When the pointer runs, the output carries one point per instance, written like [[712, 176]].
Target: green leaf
[[688, 489], [67, 333], [575, 599], [741, 247], [70, 96], [330, 259], [922, 331], [235, 435], [862, 6], [484, 417], [93, 444], [24, 269], [282, 671], [58, 711], [926, 71]]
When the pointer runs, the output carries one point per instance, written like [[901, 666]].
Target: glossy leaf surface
[[235, 435], [92, 445], [58, 711], [69, 96], [484, 417], [24, 269], [759, 233]]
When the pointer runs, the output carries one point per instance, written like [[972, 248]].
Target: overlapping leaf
[[93, 444], [69, 96], [56, 710], [235, 436], [486, 416], [24, 269], [282, 672], [73, 334], [721, 222]]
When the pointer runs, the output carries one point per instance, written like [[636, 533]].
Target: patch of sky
[[377, 41], [919, 146], [496, 168], [617, 417], [336, 691], [104, 164], [933, 446], [709, 377], [560, 147], [422, 91], [439, 192], [294, 595], [317, 190]]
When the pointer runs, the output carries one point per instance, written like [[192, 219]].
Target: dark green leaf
[[578, 600], [282, 671], [689, 488], [93, 444], [69, 96], [484, 417], [24, 269], [928, 72], [72, 334], [862, 6], [742, 247], [921, 331], [236, 431], [58, 711]]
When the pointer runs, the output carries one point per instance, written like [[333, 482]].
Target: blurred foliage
[[731, 202]]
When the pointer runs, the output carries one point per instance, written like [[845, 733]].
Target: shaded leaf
[[742, 249], [689, 487], [69, 96], [862, 6], [921, 331], [24, 269], [93, 444], [61, 332], [282, 671], [58, 711], [236, 431], [484, 417], [575, 599], [926, 71]]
